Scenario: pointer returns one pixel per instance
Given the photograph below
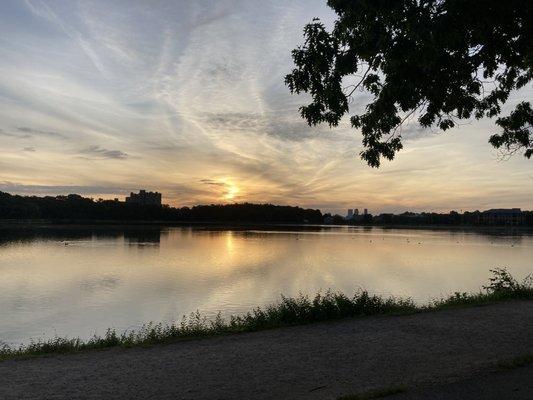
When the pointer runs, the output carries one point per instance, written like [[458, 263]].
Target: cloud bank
[[194, 105]]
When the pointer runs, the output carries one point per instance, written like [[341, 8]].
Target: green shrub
[[289, 311]]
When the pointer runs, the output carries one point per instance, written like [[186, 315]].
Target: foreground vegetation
[[289, 311]]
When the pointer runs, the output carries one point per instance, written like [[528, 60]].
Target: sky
[[187, 98]]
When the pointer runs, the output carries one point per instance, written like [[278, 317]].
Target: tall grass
[[502, 286], [289, 311]]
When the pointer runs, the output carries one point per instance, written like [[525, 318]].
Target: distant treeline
[[474, 218], [75, 207], [453, 218]]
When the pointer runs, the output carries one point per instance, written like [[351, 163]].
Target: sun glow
[[231, 192]]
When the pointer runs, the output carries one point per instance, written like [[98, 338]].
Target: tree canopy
[[440, 61], [76, 207]]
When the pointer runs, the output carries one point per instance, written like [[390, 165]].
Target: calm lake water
[[80, 281]]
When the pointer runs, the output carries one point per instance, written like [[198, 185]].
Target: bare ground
[[516, 384], [320, 361]]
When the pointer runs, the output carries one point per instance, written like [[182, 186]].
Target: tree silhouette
[[439, 60], [75, 207]]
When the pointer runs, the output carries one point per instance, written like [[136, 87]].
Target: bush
[[289, 311]]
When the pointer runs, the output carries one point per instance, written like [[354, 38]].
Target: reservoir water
[[77, 281]]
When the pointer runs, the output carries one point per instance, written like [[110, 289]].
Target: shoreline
[[323, 361], [84, 223], [113, 341], [297, 311]]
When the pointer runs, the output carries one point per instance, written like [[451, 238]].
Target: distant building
[[355, 217], [502, 216], [145, 198]]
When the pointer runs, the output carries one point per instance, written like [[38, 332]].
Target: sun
[[232, 191]]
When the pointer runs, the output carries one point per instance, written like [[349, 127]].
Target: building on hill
[[144, 198], [502, 216]]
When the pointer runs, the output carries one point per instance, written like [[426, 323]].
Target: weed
[[289, 311]]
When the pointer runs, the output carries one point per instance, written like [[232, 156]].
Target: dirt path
[[321, 361], [516, 384]]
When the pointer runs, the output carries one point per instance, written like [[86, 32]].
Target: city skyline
[[193, 105], [150, 198]]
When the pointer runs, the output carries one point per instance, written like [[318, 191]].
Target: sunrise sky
[[187, 97]]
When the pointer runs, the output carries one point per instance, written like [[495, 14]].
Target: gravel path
[[320, 361], [516, 384]]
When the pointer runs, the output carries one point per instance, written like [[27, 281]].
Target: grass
[[376, 394], [516, 362], [289, 311]]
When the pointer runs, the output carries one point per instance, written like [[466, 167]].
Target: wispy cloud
[[43, 10], [99, 152], [194, 105], [30, 132], [14, 187], [14, 135], [211, 182], [281, 125]]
